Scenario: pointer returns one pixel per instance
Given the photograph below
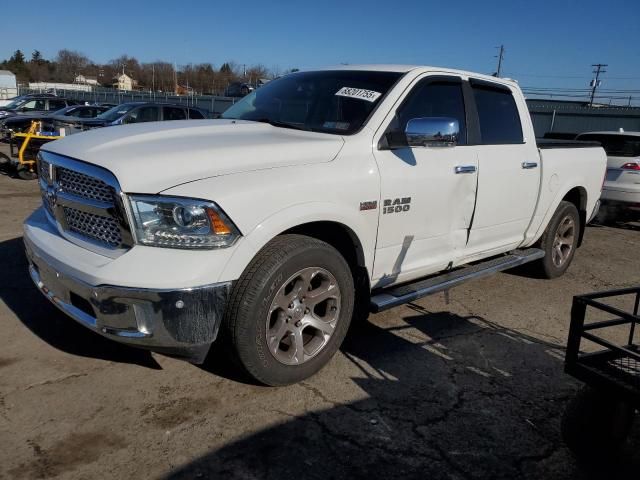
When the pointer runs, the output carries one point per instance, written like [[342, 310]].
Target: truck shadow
[[47, 322], [445, 397]]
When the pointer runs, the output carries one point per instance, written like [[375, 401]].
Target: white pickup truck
[[320, 195]]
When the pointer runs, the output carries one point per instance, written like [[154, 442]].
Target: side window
[[498, 115], [434, 99], [85, 112], [174, 113], [56, 104], [34, 105], [195, 114], [143, 114]]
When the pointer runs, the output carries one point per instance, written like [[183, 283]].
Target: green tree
[[17, 58], [36, 57]]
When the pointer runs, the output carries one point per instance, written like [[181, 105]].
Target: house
[[86, 80], [123, 82]]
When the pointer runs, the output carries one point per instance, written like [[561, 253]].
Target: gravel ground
[[470, 389]]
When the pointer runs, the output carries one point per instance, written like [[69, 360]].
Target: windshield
[[615, 145], [15, 102], [115, 112], [328, 101]]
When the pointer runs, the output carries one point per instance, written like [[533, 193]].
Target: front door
[[425, 206]]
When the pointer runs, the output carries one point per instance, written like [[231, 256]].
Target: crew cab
[[319, 197]]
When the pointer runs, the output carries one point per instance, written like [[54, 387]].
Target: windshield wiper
[[276, 123]]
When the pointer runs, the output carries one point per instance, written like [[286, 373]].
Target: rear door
[[508, 171]]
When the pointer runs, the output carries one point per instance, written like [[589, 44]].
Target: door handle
[[528, 165], [465, 169]]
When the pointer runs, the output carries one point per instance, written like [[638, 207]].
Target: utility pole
[[595, 83], [500, 57]]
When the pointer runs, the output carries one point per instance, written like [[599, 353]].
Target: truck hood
[[151, 157]]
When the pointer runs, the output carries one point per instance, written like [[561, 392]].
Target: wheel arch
[[354, 238], [578, 196], [575, 194]]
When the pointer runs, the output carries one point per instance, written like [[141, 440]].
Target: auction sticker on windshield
[[360, 93]]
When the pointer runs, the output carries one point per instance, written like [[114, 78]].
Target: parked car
[[31, 104], [136, 112], [21, 123], [321, 195], [238, 89], [621, 189]]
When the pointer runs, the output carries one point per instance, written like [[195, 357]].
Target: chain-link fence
[[209, 103]]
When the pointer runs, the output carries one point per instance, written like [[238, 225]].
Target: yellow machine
[[30, 142]]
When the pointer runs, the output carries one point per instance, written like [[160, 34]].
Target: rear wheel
[[595, 423], [560, 240], [290, 310]]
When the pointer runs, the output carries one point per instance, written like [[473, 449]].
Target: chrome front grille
[[100, 228], [85, 204], [84, 186]]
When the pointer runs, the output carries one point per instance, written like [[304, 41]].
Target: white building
[[53, 86], [86, 80], [8, 85], [123, 82]]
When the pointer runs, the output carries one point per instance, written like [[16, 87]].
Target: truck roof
[[408, 68]]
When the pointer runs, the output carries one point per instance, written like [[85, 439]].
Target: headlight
[[176, 222]]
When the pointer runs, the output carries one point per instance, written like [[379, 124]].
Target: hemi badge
[[369, 205]]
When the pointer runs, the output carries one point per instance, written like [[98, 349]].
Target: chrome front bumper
[[181, 322]]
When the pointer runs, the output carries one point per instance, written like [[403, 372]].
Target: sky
[[548, 44]]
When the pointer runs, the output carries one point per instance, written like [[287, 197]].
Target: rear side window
[[57, 104], [196, 114], [498, 115], [174, 113]]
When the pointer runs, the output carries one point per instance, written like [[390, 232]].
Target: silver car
[[621, 189]]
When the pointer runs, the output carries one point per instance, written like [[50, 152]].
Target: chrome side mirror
[[432, 132]]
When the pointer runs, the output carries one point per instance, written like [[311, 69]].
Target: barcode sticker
[[360, 93]]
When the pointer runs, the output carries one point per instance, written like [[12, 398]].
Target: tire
[[25, 173], [5, 163], [595, 423], [554, 263], [270, 327]]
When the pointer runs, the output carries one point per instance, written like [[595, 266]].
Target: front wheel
[[560, 240], [25, 172], [290, 310]]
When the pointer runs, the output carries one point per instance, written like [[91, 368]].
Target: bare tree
[[69, 64]]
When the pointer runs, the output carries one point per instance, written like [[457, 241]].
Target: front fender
[[266, 203], [294, 216]]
